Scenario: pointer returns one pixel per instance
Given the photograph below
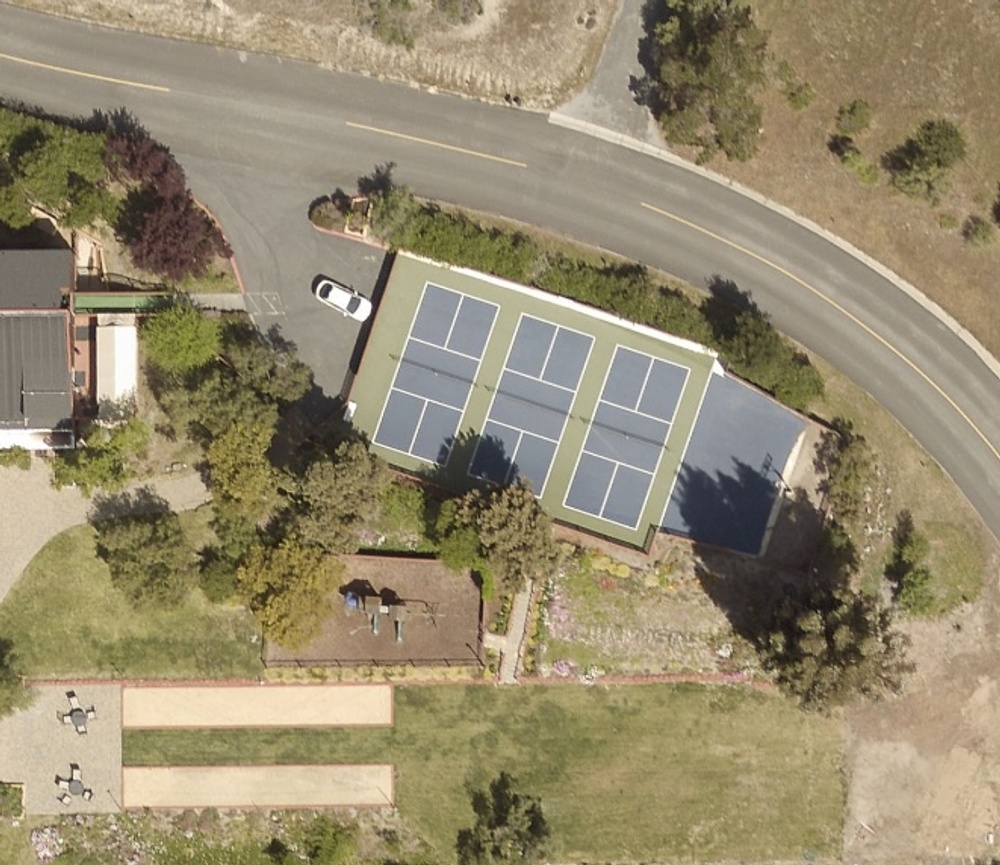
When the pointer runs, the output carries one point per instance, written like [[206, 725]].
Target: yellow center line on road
[[442, 145], [81, 74], [850, 316]]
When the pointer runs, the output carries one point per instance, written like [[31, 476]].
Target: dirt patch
[[438, 622], [924, 769], [911, 62], [539, 51]]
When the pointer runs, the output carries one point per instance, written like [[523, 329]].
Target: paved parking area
[[210, 706], [35, 747]]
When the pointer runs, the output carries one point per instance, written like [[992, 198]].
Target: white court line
[[399, 363], [508, 369], [590, 431], [420, 341]]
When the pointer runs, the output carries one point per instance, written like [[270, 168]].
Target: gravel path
[[32, 512]]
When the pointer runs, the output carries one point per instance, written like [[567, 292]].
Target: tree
[[105, 461], [907, 572], [169, 235], [710, 59], [264, 364], [510, 827], [180, 338], [459, 548], [150, 560], [515, 534], [921, 164], [832, 644], [288, 590], [240, 472], [336, 495], [849, 464]]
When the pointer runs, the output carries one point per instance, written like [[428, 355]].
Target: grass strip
[[625, 773]]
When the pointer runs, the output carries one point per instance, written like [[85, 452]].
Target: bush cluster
[[163, 227], [52, 165], [740, 331]]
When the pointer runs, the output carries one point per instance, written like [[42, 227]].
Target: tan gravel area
[[258, 786], [254, 705], [35, 747]]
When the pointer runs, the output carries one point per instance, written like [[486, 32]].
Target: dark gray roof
[[33, 278], [730, 475], [35, 387]]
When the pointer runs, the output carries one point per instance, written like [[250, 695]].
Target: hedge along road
[[261, 136]]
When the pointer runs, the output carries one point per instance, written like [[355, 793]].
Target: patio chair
[[64, 717], [75, 772], [74, 701], [65, 798], [88, 794], [91, 713], [62, 782]]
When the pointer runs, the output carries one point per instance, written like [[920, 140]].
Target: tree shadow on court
[[458, 455], [725, 513]]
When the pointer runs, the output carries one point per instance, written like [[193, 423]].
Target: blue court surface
[[620, 429], [531, 403], [627, 437], [436, 373], [731, 473]]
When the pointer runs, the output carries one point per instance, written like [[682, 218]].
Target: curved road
[[260, 137]]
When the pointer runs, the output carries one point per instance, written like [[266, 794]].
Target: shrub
[[171, 236], [978, 231], [106, 461], [867, 171], [460, 10], [798, 93], [148, 556], [921, 164], [15, 457], [854, 117], [135, 157], [180, 338]]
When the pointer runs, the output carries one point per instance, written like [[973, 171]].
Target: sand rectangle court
[[435, 374], [248, 787], [228, 706], [531, 403]]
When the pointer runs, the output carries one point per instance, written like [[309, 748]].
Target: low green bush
[[15, 458]]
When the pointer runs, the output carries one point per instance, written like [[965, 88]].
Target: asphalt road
[[261, 137]]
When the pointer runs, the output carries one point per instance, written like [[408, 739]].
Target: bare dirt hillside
[[539, 51]]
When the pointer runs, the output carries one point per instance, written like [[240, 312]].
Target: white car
[[343, 298]]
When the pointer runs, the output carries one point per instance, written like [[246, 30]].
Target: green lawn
[[624, 773], [66, 619]]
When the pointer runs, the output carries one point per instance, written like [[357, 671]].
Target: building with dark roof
[[36, 389], [34, 278]]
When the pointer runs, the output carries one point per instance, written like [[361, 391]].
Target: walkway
[[33, 512], [509, 645]]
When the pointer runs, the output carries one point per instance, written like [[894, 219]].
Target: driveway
[[36, 512]]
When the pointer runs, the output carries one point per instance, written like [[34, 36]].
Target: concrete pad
[[257, 786], [252, 705], [35, 747]]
